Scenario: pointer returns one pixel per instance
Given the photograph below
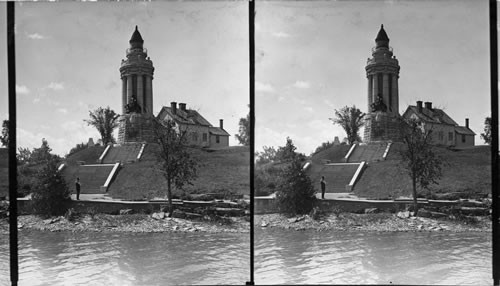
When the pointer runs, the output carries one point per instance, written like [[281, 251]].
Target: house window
[[463, 138], [204, 137], [450, 136], [217, 139], [440, 135], [194, 136]]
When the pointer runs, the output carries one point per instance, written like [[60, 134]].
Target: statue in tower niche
[[382, 71], [379, 105], [133, 106], [137, 93]]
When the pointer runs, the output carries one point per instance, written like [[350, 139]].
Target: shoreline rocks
[[128, 223], [370, 222]]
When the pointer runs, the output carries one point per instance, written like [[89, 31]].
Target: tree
[[51, 194], [422, 164], [351, 120], [105, 120], [296, 193], [177, 165], [286, 152], [266, 156], [29, 163], [243, 135], [486, 136], [4, 138]]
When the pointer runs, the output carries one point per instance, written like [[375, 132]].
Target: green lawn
[[223, 171], [466, 174]]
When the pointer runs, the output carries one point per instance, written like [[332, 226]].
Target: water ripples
[[60, 258], [372, 258]]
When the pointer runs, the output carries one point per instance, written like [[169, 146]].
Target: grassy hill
[[222, 171], [466, 174]]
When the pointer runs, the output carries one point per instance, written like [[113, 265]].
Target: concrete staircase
[[337, 176], [123, 154], [92, 178], [369, 153]]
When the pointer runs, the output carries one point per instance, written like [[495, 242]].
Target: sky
[[311, 58], [68, 57]]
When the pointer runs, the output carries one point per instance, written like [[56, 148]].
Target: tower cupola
[[136, 40], [382, 40]]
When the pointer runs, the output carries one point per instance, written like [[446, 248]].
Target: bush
[[51, 194], [296, 194]]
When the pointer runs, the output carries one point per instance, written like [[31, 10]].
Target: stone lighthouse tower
[[137, 93], [382, 71]]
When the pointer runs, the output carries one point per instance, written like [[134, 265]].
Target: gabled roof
[[188, 116], [464, 130], [218, 131], [436, 115]]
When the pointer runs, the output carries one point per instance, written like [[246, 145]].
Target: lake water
[[286, 257], [300, 257], [64, 258]]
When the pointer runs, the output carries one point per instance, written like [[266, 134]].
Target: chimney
[[221, 123], [419, 106], [182, 106], [428, 105], [173, 105], [467, 123]]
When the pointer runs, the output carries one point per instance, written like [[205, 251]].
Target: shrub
[[296, 194], [51, 194]]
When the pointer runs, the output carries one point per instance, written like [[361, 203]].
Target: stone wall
[[266, 205], [380, 126], [134, 127]]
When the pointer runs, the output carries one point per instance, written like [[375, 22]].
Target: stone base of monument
[[381, 126], [136, 127]]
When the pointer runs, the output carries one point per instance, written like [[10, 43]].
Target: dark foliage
[[4, 137], [105, 120], [176, 163], [420, 161], [351, 120], [51, 194], [486, 136], [296, 193], [243, 135]]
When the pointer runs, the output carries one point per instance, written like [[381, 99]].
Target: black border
[[251, 31], [494, 142], [11, 62], [13, 233]]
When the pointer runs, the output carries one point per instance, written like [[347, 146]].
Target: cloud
[[281, 35], [56, 86], [36, 36], [22, 89], [309, 109], [62, 110], [36, 100], [302, 84], [263, 87]]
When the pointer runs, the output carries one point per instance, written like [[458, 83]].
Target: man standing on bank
[[77, 184], [323, 187]]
